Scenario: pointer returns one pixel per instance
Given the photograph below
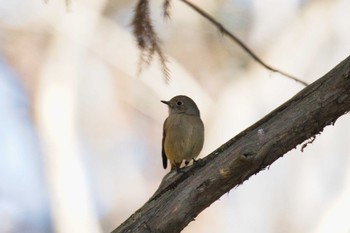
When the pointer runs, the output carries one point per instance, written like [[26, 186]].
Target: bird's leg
[[176, 166], [178, 170]]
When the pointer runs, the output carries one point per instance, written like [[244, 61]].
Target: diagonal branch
[[182, 196], [226, 32]]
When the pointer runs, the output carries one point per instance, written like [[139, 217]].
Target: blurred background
[[80, 131]]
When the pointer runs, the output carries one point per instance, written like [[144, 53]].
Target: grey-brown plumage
[[183, 132]]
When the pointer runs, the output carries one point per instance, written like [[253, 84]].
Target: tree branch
[[149, 42], [182, 196], [226, 32]]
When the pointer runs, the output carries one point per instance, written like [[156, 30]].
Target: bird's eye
[[178, 103]]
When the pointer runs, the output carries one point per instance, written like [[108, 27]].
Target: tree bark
[[181, 196]]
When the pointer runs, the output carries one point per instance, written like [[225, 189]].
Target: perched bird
[[183, 132]]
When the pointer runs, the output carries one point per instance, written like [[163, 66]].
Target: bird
[[183, 132]]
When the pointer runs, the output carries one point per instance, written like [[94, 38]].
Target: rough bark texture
[[182, 196]]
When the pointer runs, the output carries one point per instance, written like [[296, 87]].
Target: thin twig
[[166, 9], [224, 31], [147, 39]]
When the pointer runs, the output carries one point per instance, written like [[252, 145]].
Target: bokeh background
[[80, 131]]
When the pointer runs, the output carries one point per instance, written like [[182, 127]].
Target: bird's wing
[[165, 161]]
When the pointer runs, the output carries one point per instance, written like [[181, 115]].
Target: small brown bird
[[183, 132]]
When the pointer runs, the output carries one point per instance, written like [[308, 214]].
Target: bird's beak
[[165, 102]]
